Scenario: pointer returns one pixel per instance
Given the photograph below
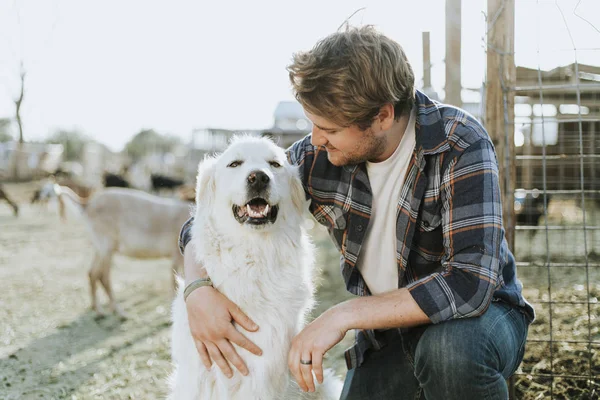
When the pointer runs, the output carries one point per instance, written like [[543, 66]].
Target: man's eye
[[234, 164], [274, 164]]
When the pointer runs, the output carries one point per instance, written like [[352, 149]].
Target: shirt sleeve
[[301, 154], [185, 234], [472, 235]]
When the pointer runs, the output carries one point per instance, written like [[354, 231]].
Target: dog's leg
[[94, 275]]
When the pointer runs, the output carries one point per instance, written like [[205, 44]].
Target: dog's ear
[[298, 194], [205, 183]]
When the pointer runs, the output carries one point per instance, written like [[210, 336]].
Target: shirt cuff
[[429, 295]]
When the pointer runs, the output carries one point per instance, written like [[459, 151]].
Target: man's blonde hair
[[349, 75]]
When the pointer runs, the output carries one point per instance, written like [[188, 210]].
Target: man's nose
[[258, 180], [317, 139]]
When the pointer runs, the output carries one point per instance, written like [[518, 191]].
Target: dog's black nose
[[258, 180]]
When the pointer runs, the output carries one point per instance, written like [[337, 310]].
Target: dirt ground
[[51, 344], [53, 347]]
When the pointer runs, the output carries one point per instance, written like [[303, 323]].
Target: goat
[[114, 180], [79, 189], [187, 193], [128, 222], [4, 196], [37, 197], [529, 208], [164, 182]]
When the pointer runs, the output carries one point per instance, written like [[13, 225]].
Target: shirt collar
[[430, 132]]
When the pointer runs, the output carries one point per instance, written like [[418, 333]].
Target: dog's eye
[[274, 164], [234, 164]]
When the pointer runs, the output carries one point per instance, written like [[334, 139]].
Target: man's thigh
[[385, 374]]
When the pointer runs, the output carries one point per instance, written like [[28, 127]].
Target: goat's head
[[50, 190]]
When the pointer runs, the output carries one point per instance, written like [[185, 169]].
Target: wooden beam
[[499, 101], [453, 48], [426, 61]]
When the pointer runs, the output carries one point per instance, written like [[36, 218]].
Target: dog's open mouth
[[256, 212]]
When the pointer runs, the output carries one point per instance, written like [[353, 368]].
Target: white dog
[[248, 235]]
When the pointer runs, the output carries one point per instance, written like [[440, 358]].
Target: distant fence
[[551, 120]]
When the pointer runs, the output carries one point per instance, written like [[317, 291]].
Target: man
[[408, 189]]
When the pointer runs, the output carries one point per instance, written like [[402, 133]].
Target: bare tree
[[19, 102]]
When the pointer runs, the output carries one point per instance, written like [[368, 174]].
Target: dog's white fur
[[266, 271]]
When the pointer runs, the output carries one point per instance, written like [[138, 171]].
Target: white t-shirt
[[377, 260]]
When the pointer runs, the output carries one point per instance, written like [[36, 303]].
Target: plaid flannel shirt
[[450, 248]]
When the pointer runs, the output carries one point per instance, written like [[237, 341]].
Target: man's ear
[[385, 119], [205, 183]]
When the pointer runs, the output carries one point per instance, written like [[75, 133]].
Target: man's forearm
[[394, 309], [192, 269]]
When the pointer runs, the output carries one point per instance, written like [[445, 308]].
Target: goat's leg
[[94, 274], [15, 208], [106, 263], [14, 205]]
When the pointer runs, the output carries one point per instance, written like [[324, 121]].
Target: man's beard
[[369, 150]]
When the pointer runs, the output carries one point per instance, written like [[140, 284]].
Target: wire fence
[[557, 210]]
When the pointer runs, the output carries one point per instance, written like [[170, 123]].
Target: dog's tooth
[[266, 210], [248, 209]]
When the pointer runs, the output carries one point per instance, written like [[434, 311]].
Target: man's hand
[[311, 344], [210, 316]]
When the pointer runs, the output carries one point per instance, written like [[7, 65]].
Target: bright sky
[[112, 68]]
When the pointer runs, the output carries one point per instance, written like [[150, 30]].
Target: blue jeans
[[459, 359]]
